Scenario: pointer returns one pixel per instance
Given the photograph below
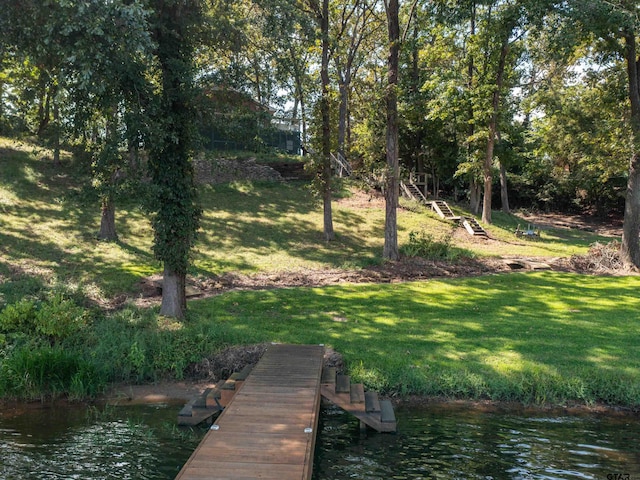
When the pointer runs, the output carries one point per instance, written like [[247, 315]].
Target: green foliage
[[59, 318], [581, 144], [176, 217], [423, 244], [136, 346], [19, 287], [55, 319], [44, 372], [541, 338], [18, 317]]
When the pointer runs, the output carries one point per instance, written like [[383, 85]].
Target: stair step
[[200, 401], [228, 385], [199, 415], [227, 391], [187, 410], [473, 227], [372, 404], [242, 375], [329, 375], [343, 384], [357, 393], [211, 395], [387, 415], [412, 191]]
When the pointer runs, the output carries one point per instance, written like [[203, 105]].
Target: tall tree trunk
[[630, 249], [174, 298], [487, 175], [474, 189], [493, 133], [44, 107], [108, 221], [176, 220], [326, 125], [475, 196], [343, 113], [56, 131], [299, 93], [504, 194], [390, 250]]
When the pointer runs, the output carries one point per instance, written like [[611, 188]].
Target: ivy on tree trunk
[[177, 214], [108, 221]]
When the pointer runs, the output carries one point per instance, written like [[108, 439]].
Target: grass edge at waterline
[[535, 338]]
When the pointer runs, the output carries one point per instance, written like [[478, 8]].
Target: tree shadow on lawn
[[266, 224], [478, 335]]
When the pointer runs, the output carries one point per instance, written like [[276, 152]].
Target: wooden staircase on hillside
[[213, 400], [444, 211], [341, 166], [412, 191], [372, 412], [473, 227]]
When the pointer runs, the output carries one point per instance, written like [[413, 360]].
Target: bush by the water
[[55, 318], [48, 372]]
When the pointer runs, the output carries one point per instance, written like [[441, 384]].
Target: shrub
[[54, 319], [422, 244], [59, 318], [18, 317]]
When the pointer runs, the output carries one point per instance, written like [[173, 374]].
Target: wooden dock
[[269, 429]]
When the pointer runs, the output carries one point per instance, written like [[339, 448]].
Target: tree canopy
[[505, 103]]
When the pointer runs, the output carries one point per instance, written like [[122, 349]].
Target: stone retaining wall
[[221, 170]]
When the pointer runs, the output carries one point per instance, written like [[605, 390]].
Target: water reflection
[[76, 443], [442, 443], [437, 443]]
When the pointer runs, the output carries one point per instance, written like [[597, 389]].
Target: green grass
[[535, 338], [49, 223]]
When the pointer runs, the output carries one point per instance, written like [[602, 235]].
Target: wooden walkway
[[246, 443]]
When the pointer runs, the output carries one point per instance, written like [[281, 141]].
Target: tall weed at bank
[[48, 372]]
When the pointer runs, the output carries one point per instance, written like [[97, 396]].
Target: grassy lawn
[[536, 337], [49, 223]]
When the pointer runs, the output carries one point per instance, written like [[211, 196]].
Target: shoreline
[[179, 392]]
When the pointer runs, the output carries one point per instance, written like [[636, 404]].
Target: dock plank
[[269, 428]]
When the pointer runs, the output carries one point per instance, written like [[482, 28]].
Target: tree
[[390, 250], [108, 50], [319, 9], [630, 249], [502, 26], [354, 24], [177, 215], [616, 24]]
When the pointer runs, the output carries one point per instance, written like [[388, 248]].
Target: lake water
[[142, 442]]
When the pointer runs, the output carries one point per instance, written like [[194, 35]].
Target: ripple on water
[[143, 443]]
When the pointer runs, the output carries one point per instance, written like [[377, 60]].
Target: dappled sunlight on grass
[[479, 334], [495, 336], [50, 221]]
